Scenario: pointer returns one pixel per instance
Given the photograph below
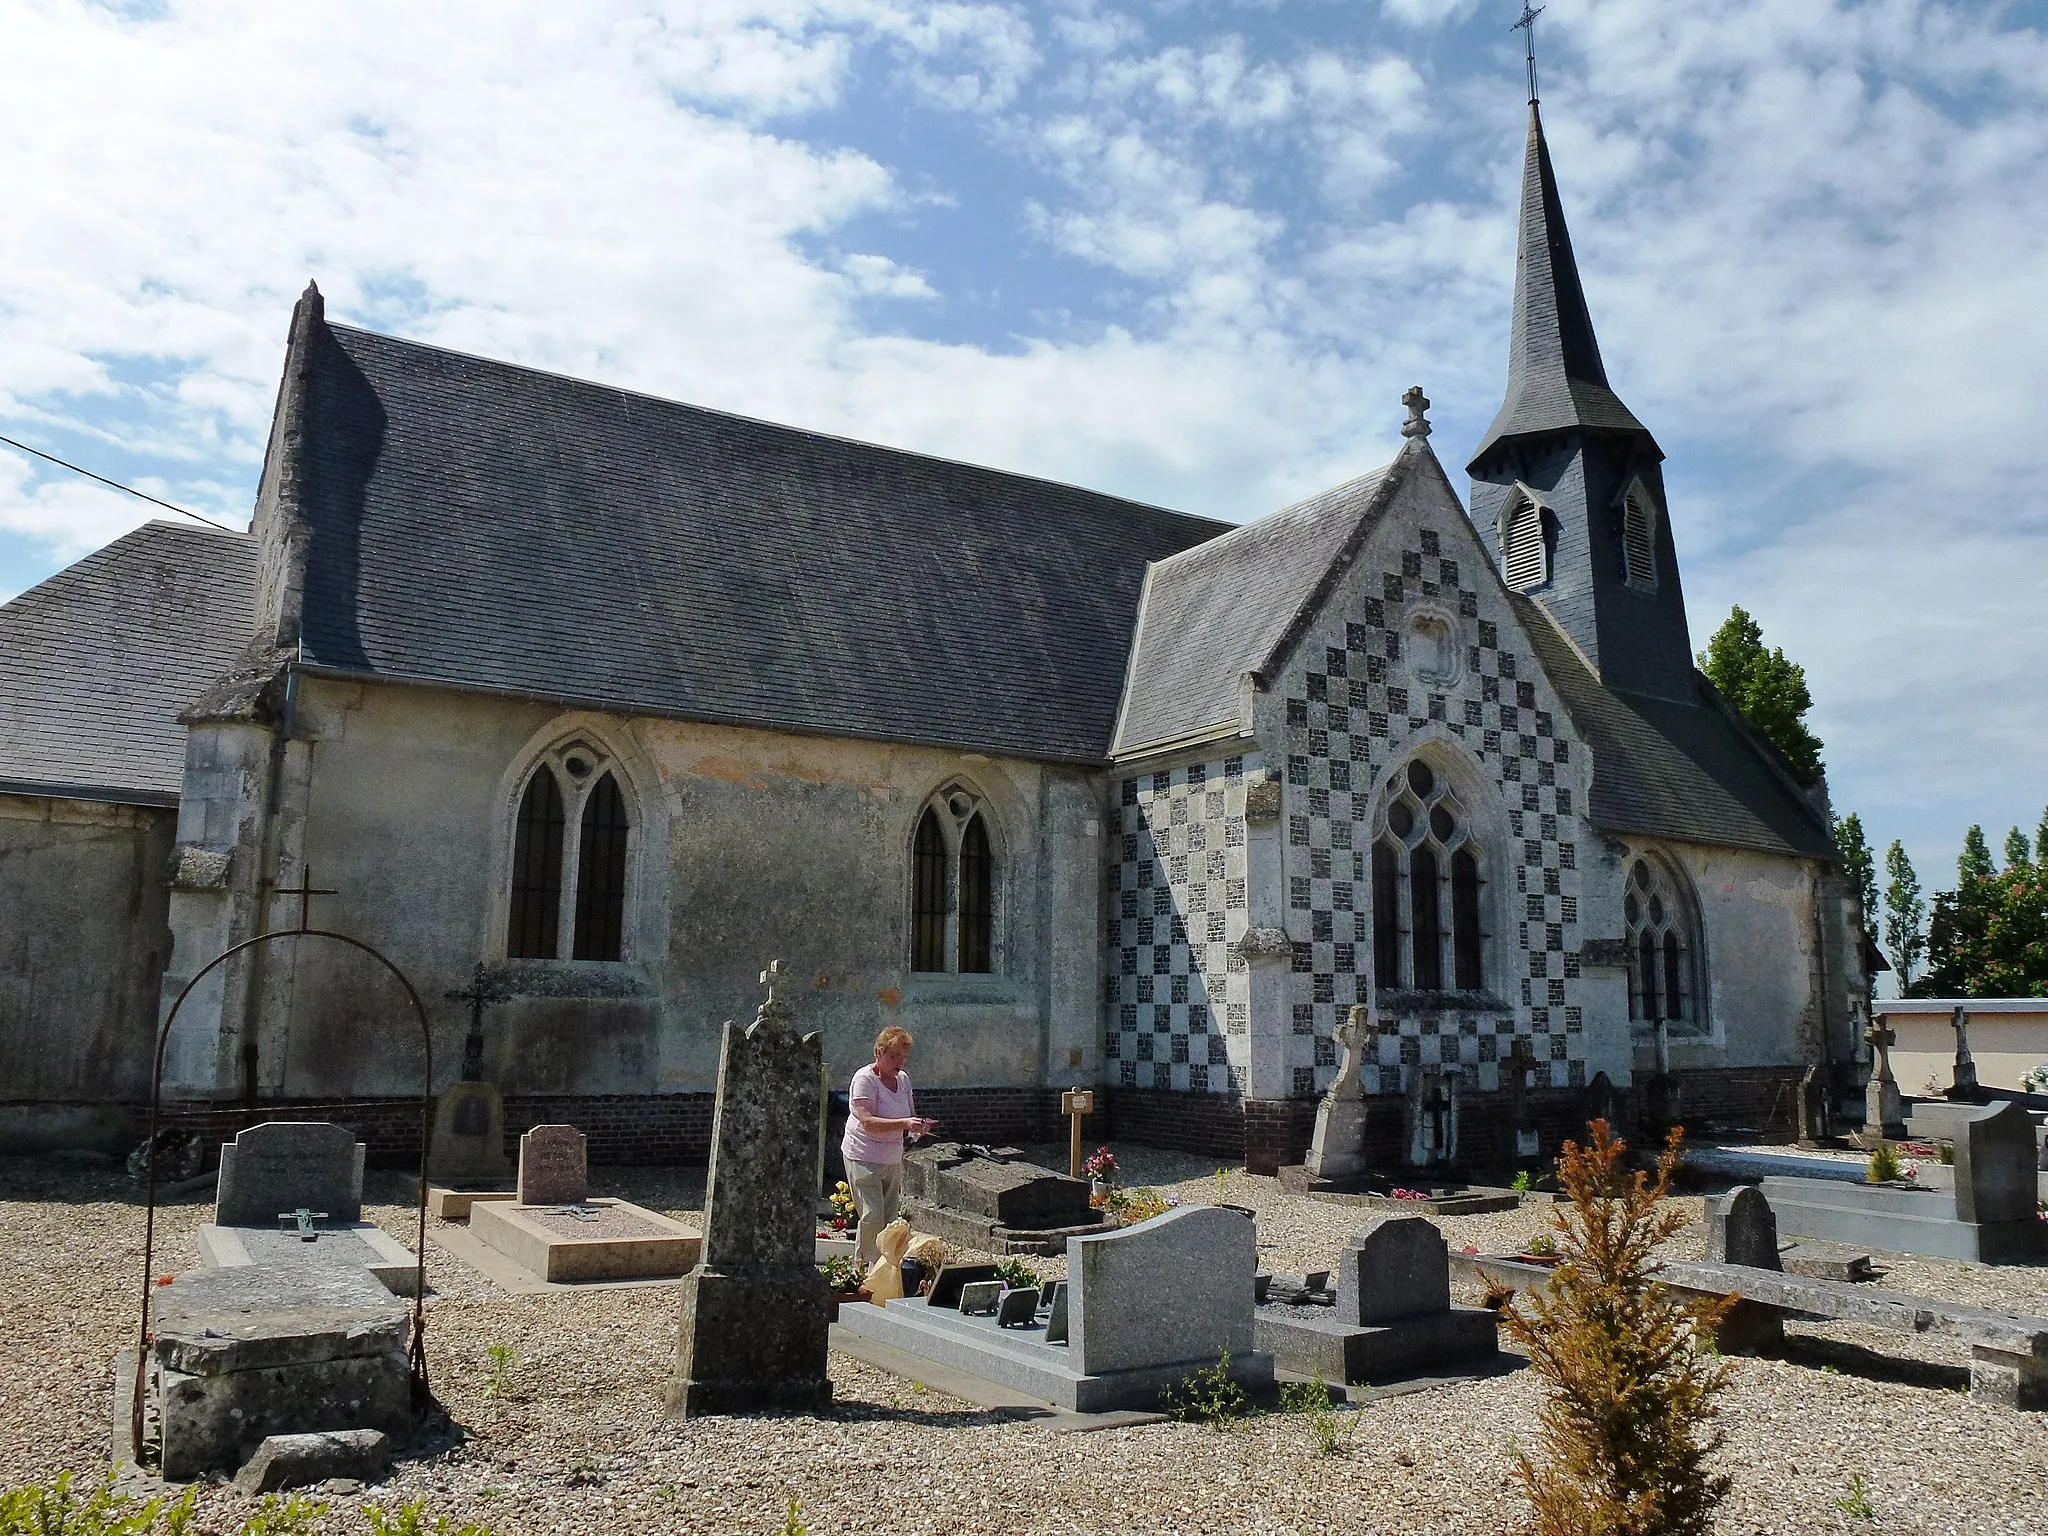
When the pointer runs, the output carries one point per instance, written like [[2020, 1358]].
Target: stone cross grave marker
[[554, 1166], [283, 1165], [1813, 1106], [754, 1318], [1742, 1229], [1337, 1151], [1963, 1084], [1883, 1113]]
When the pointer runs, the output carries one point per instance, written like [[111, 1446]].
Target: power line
[[80, 469]]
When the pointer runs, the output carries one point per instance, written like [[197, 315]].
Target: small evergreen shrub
[[1626, 1427], [1884, 1164]]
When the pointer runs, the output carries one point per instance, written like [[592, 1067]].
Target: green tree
[[1904, 912], [2017, 850], [1769, 690], [1975, 863], [1858, 864], [2041, 840], [1989, 937]]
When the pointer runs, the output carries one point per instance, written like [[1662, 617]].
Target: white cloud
[[1808, 230]]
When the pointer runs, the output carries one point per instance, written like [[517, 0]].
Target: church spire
[[1556, 380]]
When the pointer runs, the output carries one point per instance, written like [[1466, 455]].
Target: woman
[[882, 1111]]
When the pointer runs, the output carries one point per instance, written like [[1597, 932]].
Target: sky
[[1187, 251]]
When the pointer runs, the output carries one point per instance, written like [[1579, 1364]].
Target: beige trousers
[[878, 1197]]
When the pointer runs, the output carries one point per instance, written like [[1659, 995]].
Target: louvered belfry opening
[[1525, 563], [977, 909], [928, 896], [1639, 538], [532, 932], [601, 874]]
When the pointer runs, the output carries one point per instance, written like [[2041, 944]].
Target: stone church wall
[[749, 846], [1417, 654], [83, 940]]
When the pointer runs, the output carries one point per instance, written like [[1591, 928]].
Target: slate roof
[[482, 525], [97, 662], [1555, 377], [1219, 610], [1683, 770]]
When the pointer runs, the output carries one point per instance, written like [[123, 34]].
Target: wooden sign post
[[1075, 1103]]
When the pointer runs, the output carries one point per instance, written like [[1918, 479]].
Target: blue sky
[[1188, 250]]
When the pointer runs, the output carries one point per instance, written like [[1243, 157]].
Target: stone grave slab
[[362, 1245], [997, 1203], [554, 1165], [1141, 1308], [248, 1351], [1899, 1221], [447, 1204], [282, 1165], [596, 1239], [1392, 1315]]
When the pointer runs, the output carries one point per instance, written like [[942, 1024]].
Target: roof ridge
[[625, 393]]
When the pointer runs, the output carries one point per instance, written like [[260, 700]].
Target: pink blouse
[[869, 1092]]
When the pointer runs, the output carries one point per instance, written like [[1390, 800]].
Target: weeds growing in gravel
[[410, 1519], [1311, 1399], [793, 1522], [1207, 1396], [1627, 1423], [292, 1515], [1856, 1503], [498, 1371], [58, 1509]]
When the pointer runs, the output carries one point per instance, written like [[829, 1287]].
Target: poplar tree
[[1858, 865], [1975, 863], [1904, 913], [2017, 853], [1769, 690]]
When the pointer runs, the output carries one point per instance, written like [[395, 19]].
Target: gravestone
[[1393, 1267], [980, 1298], [754, 1316], [1815, 1124], [1018, 1308], [289, 1165], [1883, 1112], [1602, 1102], [554, 1166], [1141, 1308], [1015, 1194], [1521, 1114], [1337, 1152], [469, 1138], [1432, 1117], [1963, 1082], [991, 1200], [1741, 1229], [1392, 1315], [1995, 1165]]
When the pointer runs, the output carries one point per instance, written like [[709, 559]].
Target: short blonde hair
[[890, 1038]]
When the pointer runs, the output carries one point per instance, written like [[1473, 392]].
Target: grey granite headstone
[[1172, 1289], [283, 1165], [1995, 1165], [1393, 1267], [754, 1316], [1018, 1308], [979, 1298], [1741, 1229], [469, 1137], [554, 1166], [1056, 1316]]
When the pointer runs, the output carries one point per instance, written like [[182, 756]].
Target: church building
[[590, 704]]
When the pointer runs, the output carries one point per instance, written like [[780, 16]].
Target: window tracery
[[570, 846], [1427, 929], [953, 886], [1663, 954]]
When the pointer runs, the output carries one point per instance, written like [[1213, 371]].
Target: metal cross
[[473, 1047], [1527, 25], [305, 890], [303, 1219]]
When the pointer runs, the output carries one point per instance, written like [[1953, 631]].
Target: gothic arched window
[[570, 847], [953, 886], [1426, 885], [1663, 954]]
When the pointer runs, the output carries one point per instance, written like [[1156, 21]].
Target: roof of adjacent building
[[1684, 770], [482, 525], [1215, 612], [1555, 377], [97, 662]]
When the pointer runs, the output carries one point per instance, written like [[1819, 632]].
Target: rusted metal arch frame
[[417, 1353]]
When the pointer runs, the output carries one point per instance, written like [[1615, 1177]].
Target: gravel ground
[[569, 1437]]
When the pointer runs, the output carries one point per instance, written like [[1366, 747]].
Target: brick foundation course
[[1261, 1134]]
